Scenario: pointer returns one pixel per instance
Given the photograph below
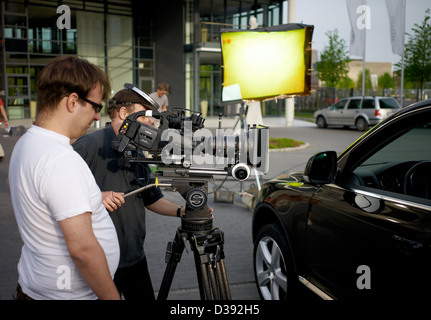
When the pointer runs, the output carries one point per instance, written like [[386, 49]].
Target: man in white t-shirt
[[70, 246], [161, 98]]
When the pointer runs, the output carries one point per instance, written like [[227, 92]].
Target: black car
[[356, 226]]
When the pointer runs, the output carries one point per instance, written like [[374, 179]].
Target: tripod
[[206, 242]]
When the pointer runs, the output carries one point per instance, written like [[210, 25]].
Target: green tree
[[346, 83], [334, 61], [417, 54], [385, 82], [368, 83]]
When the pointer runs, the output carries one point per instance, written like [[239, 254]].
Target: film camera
[[179, 147], [181, 141]]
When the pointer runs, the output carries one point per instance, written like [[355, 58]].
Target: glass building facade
[[133, 41]]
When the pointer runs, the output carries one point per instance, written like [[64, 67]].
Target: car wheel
[[321, 122], [273, 265], [361, 124]]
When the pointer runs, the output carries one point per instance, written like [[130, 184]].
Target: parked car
[[356, 226], [361, 112]]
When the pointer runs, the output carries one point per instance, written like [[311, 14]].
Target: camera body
[[180, 141], [180, 145], [134, 134]]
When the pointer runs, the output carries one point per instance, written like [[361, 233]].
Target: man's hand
[[112, 200]]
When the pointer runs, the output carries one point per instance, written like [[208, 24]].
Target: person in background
[[70, 248], [116, 177], [160, 96], [3, 115]]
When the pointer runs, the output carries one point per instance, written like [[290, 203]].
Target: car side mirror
[[321, 168]]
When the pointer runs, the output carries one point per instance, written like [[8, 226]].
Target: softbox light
[[266, 63]]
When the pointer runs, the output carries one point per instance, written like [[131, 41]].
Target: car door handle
[[407, 246]]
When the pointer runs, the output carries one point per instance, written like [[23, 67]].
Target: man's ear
[[71, 102], [122, 113]]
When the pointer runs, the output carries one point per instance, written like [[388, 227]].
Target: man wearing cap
[[116, 178]]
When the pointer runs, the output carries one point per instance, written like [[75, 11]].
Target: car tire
[[273, 265], [321, 122], [361, 124]]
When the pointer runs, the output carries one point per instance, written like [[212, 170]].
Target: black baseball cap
[[131, 94]]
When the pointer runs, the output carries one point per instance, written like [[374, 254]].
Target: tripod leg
[[214, 286], [223, 283], [211, 270], [204, 285], [205, 273], [175, 251]]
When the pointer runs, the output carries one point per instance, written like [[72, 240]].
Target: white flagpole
[[402, 57], [397, 22], [363, 58]]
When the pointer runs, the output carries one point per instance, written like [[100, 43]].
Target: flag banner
[[357, 18], [396, 24]]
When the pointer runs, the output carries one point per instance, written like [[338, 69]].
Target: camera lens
[[240, 172]]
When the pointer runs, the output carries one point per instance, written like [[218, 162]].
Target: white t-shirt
[[161, 101], [50, 182]]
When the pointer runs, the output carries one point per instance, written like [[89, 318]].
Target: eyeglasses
[[97, 107]]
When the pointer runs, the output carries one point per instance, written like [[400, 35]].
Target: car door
[[350, 111], [335, 113], [365, 237], [368, 109]]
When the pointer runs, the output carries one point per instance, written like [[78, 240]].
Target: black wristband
[[179, 212]]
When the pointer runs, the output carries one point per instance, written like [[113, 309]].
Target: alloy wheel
[[270, 269]]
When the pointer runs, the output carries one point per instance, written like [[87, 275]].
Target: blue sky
[[328, 15]]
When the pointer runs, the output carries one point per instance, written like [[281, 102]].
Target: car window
[[354, 104], [368, 104], [388, 103], [339, 105], [413, 146], [402, 166]]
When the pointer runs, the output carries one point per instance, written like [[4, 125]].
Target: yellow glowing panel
[[258, 65]]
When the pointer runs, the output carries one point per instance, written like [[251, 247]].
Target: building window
[[101, 31]]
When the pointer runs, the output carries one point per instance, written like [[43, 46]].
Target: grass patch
[[305, 115], [279, 143]]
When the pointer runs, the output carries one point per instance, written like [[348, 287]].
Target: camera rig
[[171, 147]]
